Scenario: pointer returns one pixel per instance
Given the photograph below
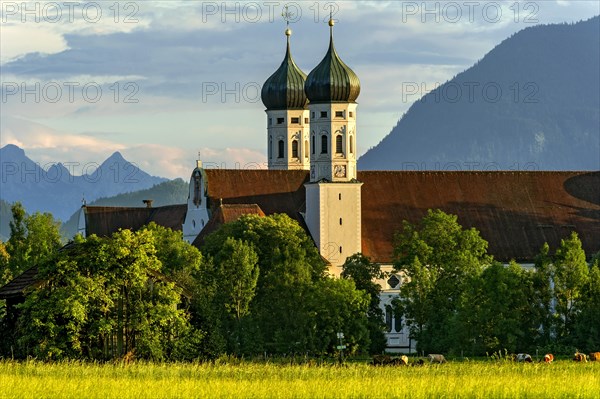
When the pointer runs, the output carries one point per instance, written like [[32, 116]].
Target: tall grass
[[251, 380]]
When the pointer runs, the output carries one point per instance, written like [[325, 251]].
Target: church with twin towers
[[311, 125], [312, 177]]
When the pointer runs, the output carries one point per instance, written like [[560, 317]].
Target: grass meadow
[[475, 379]]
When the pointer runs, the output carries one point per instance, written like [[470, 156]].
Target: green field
[[482, 379]]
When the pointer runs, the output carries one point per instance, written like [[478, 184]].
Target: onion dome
[[285, 88], [332, 80]]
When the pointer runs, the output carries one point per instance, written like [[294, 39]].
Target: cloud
[[48, 146]]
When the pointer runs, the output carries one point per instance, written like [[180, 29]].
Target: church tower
[[197, 215], [287, 116], [333, 195]]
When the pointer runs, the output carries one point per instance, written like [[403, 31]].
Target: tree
[[33, 239], [335, 305], [587, 325], [495, 314], [237, 270], [570, 276], [438, 258], [288, 264], [5, 273], [363, 272], [103, 297]]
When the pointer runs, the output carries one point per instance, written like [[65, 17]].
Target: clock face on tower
[[339, 171]]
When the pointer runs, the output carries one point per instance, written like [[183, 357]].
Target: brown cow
[[548, 358], [595, 356], [436, 358], [580, 357]]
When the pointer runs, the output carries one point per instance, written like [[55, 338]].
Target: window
[[295, 149], [270, 147], [280, 152], [340, 249], [305, 149], [323, 114], [351, 114], [340, 196], [351, 144], [305, 120], [280, 121], [388, 318], [338, 144], [313, 144], [340, 221], [296, 120], [339, 114], [270, 121], [323, 144], [393, 281], [397, 322], [313, 115]]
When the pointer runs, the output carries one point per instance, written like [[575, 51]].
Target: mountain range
[[56, 190], [531, 103]]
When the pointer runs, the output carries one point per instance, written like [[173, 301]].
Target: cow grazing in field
[[580, 357], [436, 358], [524, 358], [595, 357], [548, 358]]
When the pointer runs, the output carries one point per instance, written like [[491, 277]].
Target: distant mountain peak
[[12, 150], [531, 103]]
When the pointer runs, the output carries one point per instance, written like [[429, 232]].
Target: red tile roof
[[105, 220], [516, 212], [226, 213]]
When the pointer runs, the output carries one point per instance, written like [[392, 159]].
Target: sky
[[166, 82]]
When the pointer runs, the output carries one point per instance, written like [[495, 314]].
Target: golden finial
[[287, 16], [331, 22]]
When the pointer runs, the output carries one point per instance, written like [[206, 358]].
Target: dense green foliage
[[457, 299], [33, 239], [294, 307], [363, 272], [260, 286], [101, 298]]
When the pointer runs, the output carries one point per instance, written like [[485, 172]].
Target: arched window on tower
[[338, 144], [388, 317], [295, 149], [323, 144], [306, 149], [280, 149], [351, 144], [270, 147], [313, 144]]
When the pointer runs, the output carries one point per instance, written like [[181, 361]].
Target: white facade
[[287, 139], [196, 216], [397, 332], [333, 141], [333, 217]]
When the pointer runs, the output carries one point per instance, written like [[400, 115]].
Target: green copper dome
[[332, 80], [285, 88]]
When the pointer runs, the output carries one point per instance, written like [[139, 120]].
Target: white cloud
[[48, 146]]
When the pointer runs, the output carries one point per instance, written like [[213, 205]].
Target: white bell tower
[[196, 216], [333, 196], [287, 116]]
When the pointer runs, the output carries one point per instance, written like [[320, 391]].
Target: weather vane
[[287, 15]]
